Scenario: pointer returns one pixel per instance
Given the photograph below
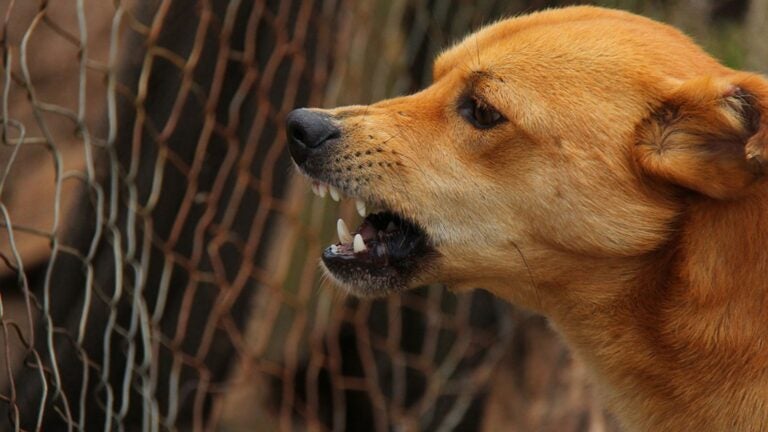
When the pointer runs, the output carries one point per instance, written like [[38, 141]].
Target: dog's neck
[[650, 327]]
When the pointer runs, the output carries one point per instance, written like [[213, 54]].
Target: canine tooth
[[315, 189], [322, 190], [360, 208], [335, 195], [358, 245], [344, 235]]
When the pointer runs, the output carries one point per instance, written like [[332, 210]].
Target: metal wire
[[176, 260]]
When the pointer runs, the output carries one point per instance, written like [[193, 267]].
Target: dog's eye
[[480, 114]]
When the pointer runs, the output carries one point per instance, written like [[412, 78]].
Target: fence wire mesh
[[159, 257]]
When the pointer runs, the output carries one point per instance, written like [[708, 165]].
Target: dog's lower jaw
[[364, 285]]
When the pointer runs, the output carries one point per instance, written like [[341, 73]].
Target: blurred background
[[158, 256]]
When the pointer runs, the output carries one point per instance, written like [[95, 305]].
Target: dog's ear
[[709, 135]]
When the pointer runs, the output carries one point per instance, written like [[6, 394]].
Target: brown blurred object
[[539, 386], [756, 35], [29, 192], [692, 16]]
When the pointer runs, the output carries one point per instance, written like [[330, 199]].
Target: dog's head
[[544, 141]]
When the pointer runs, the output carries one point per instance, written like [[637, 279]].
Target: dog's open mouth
[[380, 256]]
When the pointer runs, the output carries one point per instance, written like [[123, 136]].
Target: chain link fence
[[159, 255]]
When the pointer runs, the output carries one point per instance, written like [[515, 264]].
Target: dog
[[591, 165]]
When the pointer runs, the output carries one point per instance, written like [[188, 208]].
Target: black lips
[[395, 250]]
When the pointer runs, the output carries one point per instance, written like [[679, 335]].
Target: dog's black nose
[[308, 130]]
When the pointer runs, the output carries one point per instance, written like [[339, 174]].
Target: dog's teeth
[[322, 190], [335, 195], [316, 188], [358, 245], [360, 208], [344, 235]]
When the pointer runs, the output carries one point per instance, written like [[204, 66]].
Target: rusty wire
[[160, 259]]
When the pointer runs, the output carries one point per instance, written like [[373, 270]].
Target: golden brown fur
[[623, 199]]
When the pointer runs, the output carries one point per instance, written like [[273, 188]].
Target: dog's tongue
[[383, 247], [377, 236], [367, 230]]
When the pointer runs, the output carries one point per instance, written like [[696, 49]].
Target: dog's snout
[[308, 130]]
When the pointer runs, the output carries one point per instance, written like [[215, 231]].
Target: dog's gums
[[378, 257]]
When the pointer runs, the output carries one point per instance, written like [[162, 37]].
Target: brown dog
[[589, 164]]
